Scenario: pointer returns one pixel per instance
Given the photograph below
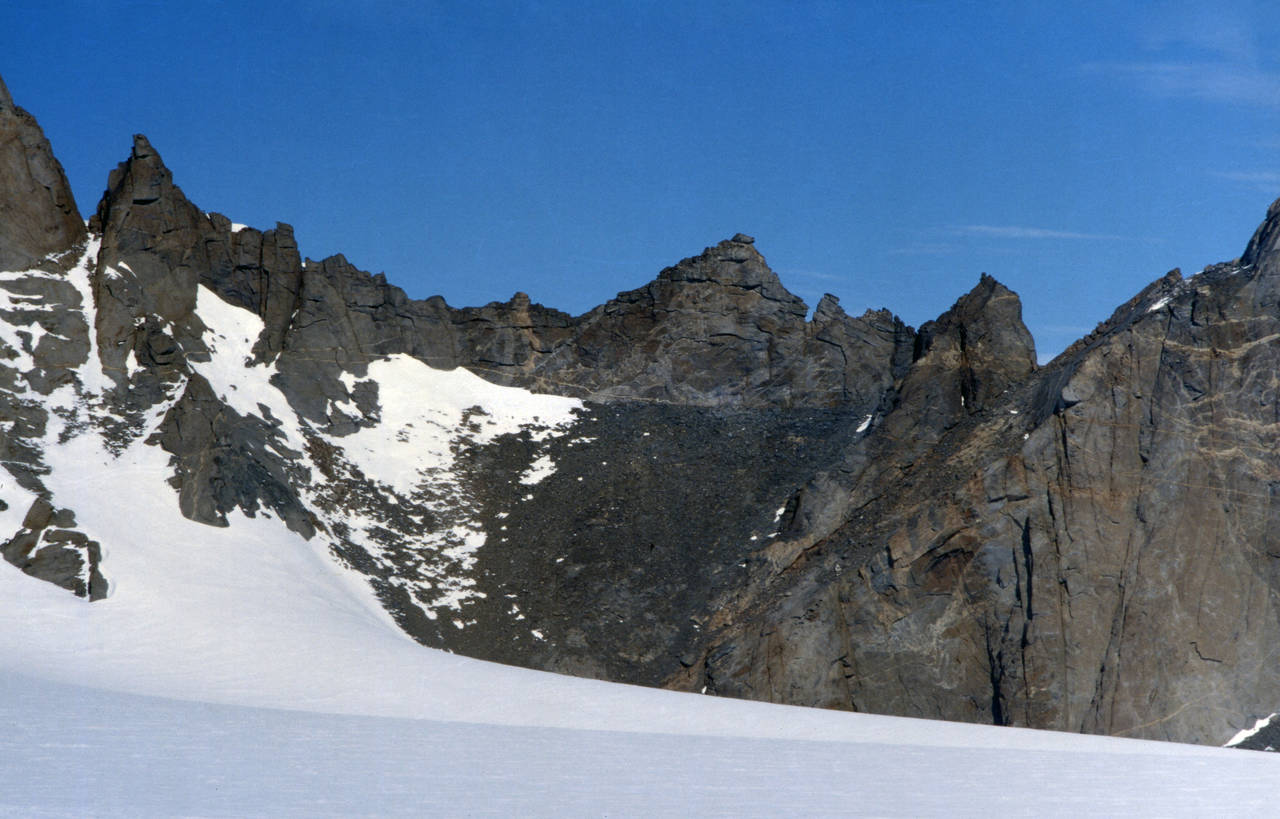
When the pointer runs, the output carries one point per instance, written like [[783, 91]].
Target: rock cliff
[[1090, 547]]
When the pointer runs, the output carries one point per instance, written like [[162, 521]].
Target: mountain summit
[[38, 215], [692, 485]]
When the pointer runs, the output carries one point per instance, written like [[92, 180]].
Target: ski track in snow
[[225, 622]]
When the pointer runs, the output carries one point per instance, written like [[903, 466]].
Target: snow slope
[[76, 752]]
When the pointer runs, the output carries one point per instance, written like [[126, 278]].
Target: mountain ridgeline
[[692, 485]]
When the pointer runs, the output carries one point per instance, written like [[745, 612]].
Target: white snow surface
[[424, 407], [243, 671], [69, 751], [542, 467]]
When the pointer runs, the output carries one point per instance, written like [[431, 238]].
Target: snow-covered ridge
[[405, 452], [402, 455]]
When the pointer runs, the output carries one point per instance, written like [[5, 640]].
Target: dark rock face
[[38, 215], [976, 351], [225, 461], [719, 329], [709, 329], [846, 357], [1089, 550], [1265, 738], [258, 270], [1262, 247], [654, 512], [49, 547], [153, 247]]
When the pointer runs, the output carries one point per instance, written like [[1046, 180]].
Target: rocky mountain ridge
[[691, 485]]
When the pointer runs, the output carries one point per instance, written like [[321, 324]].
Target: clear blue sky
[[888, 153]]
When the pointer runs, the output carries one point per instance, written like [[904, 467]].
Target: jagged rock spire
[[1266, 239], [150, 230], [140, 192], [971, 354], [38, 214], [735, 263]]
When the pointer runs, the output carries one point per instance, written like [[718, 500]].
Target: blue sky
[[887, 153]]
